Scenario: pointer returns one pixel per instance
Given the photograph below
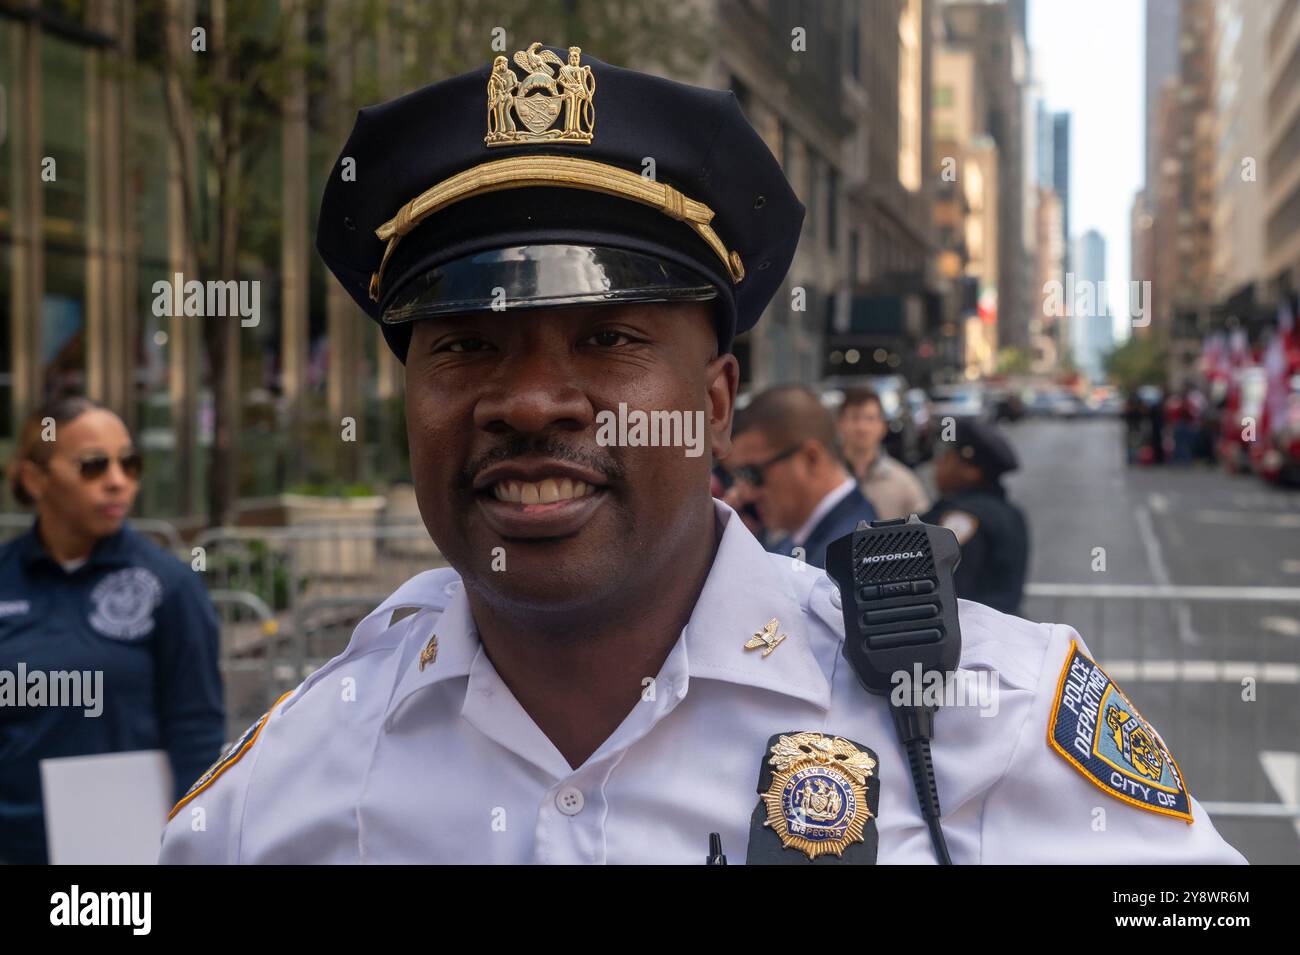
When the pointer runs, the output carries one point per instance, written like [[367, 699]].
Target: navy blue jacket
[[995, 557], [839, 520], [132, 612]]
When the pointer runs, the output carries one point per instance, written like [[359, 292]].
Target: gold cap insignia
[[429, 653], [817, 802], [528, 110], [767, 637]]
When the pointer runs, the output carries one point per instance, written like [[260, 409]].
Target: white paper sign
[[106, 809]]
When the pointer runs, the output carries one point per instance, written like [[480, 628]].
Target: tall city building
[[995, 33], [1162, 63], [850, 123], [966, 206], [1282, 149], [1091, 334], [1240, 171], [1060, 181]]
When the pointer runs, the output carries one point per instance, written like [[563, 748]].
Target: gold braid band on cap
[[519, 172]]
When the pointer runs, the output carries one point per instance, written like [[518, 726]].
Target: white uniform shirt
[[374, 760]]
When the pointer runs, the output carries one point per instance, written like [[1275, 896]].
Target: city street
[[1191, 662]]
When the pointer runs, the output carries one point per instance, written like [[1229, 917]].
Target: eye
[[609, 338], [465, 345]]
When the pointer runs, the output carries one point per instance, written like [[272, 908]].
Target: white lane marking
[[1159, 503], [1283, 771], [1242, 518], [1182, 613], [1199, 671], [1287, 626]]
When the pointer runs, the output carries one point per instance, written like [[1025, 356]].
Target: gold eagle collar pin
[[766, 637], [429, 653]]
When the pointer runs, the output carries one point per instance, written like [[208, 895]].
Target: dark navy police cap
[[984, 446], [552, 179]]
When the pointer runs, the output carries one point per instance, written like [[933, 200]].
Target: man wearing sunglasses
[[785, 462]]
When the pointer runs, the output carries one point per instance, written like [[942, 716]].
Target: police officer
[[600, 673], [107, 643], [991, 530]]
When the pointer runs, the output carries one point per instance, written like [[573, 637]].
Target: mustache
[[521, 446]]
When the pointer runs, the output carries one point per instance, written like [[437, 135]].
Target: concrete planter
[[332, 536]]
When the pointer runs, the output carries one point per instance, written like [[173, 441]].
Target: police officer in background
[[973, 504], [81, 593], [611, 659]]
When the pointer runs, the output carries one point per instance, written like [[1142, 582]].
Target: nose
[[533, 391], [116, 478]]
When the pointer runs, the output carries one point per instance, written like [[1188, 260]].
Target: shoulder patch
[[961, 523], [234, 752], [1100, 733]]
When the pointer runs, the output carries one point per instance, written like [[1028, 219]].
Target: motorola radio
[[900, 617]]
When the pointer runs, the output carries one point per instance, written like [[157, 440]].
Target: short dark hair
[[787, 416], [60, 410], [860, 396]]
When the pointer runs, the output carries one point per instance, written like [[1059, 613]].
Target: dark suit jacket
[[840, 520]]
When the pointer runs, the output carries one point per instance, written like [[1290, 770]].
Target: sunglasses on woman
[[95, 466]]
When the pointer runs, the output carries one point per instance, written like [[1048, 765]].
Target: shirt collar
[[745, 589], [824, 507], [113, 550], [878, 461]]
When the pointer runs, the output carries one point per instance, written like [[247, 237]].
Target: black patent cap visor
[[549, 275]]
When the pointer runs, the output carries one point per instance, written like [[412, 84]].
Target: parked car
[[960, 401]]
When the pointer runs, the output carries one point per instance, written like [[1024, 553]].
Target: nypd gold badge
[[817, 802]]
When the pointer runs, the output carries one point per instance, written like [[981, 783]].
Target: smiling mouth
[[546, 491]]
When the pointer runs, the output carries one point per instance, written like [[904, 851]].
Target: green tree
[[1136, 362], [1013, 361]]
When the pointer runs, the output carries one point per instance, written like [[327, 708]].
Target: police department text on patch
[[1101, 734]]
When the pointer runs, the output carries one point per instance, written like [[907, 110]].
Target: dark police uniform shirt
[[994, 545], [131, 612]]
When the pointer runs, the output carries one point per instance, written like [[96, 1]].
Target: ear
[[32, 478], [721, 379]]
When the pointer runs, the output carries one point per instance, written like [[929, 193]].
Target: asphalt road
[[1219, 678]]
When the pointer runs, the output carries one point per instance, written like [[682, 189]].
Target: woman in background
[[82, 594]]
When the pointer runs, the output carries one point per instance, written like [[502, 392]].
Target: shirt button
[[836, 602], [569, 801]]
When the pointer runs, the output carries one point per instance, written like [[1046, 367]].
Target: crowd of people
[[1179, 428], [801, 476]]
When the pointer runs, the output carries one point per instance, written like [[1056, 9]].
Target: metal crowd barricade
[[1215, 669], [250, 638], [316, 582]]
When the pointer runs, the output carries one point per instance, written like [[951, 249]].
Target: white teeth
[[546, 491]]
